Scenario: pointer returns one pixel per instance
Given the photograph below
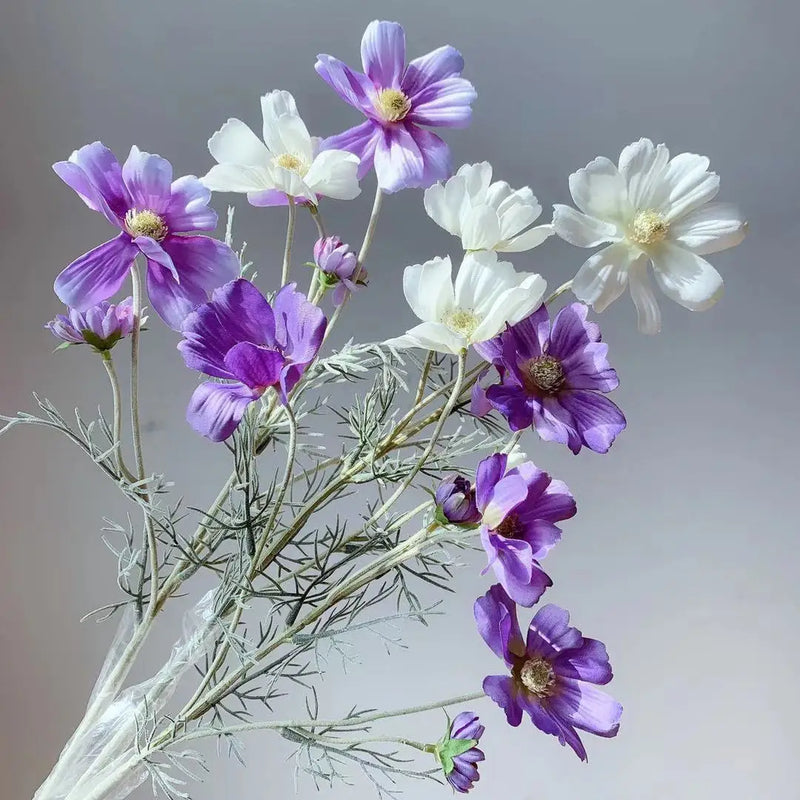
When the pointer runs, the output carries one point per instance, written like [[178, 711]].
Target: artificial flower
[[100, 326], [288, 163], [650, 208], [486, 215], [455, 502], [519, 508], [458, 752], [397, 101], [338, 267], [242, 339], [151, 210], [554, 672], [487, 295], [555, 379]]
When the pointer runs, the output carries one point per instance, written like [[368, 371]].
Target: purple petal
[[172, 301], [519, 574], [299, 325], [588, 368], [353, 87], [529, 337], [254, 366], [188, 208], [555, 424], [202, 260], [153, 251], [598, 420], [589, 662], [383, 53], [399, 164], [97, 275], [550, 722], [361, 140], [148, 178], [587, 707], [216, 409], [445, 104], [94, 173], [572, 331], [267, 198], [489, 472], [461, 783], [444, 62], [435, 154], [550, 632], [490, 350], [466, 725], [479, 403], [500, 688], [508, 493], [512, 401], [496, 620]]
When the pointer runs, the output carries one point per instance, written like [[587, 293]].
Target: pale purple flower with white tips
[[240, 338], [100, 326], [554, 673], [648, 207], [554, 379], [151, 210], [458, 752], [398, 100], [519, 508], [338, 268]]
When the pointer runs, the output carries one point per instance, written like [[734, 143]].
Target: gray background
[[683, 557]]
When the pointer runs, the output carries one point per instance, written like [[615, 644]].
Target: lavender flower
[[555, 379], [101, 326], [338, 267], [239, 337], [150, 209], [397, 100], [519, 508], [455, 502], [458, 753], [552, 673]]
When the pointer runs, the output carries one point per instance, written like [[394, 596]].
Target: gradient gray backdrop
[[683, 557]]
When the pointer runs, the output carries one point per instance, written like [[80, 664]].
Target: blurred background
[[683, 556]]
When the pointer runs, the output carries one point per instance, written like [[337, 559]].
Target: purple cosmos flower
[[239, 337], [458, 753], [552, 673], [141, 199], [554, 379], [519, 508], [397, 100], [455, 502], [338, 267], [101, 326]]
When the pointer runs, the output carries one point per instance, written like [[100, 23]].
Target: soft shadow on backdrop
[[683, 557]]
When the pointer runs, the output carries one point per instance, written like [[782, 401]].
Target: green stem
[[123, 470], [287, 252]]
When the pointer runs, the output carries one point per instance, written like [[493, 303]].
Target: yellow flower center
[[537, 677], [145, 223], [293, 163], [649, 227], [392, 104], [462, 321]]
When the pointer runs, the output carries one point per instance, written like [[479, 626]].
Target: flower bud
[[458, 753], [455, 502], [338, 267], [100, 326]]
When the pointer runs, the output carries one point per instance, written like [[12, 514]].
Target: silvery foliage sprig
[[316, 545]]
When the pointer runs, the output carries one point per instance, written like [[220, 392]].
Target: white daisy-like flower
[[649, 208], [287, 163], [486, 215], [486, 295]]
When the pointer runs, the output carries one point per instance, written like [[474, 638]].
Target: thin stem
[[108, 363], [565, 287], [287, 253], [317, 217], [423, 378]]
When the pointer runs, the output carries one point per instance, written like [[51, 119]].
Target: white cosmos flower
[[649, 208], [487, 294], [486, 215], [287, 162]]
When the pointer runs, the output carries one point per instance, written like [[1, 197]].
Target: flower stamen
[[538, 677], [546, 373], [146, 223], [649, 227], [392, 104], [292, 162], [462, 321]]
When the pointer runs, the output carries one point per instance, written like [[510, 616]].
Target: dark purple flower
[[554, 379], [458, 753], [552, 673], [150, 209], [397, 100], [239, 337], [338, 267], [519, 508], [101, 326], [455, 502]]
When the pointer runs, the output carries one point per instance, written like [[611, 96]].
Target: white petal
[[603, 276], [428, 288], [647, 310], [235, 143], [284, 130], [481, 278], [580, 229], [511, 305], [480, 228], [431, 336], [334, 173], [527, 240], [686, 278], [443, 203], [687, 185], [714, 227], [600, 191], [477, 178], [236, 178], [517, 211], [289, 182], [642, 166]]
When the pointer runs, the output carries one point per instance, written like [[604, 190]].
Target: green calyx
[[100, 345], [446, 749]]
